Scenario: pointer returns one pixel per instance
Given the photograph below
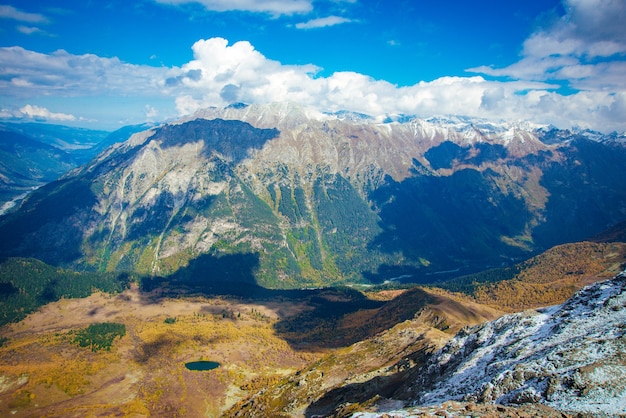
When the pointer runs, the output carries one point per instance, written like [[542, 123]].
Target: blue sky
[[104, 64]]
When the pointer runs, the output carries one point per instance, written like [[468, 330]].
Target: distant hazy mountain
[[74, 141], [119, 135], [26, 164], [33, 154], [293, 198]]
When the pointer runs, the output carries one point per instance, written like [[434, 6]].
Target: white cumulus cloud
[[223, 74], [41, 113], [151, 112]]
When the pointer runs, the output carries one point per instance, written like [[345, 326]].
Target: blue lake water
[[202, 365]]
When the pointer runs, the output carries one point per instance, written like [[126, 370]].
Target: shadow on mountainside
[[328, 317], [354, 393], [51, 224], [214, 275], [587, 193], [232, 139], [385, 386], [475, 218], [445, 224]]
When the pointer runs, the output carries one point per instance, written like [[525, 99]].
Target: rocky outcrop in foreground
[[568, 357]]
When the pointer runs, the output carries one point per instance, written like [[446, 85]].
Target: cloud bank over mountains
[[570, 73]]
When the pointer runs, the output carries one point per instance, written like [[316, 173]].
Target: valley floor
[[43, 373], [328, 352]]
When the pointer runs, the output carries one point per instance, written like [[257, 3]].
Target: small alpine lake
[[202, 365]]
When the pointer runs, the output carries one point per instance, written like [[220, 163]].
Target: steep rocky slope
[[300, 199]]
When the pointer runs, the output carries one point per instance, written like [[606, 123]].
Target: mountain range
[[302, 199], [476, 256]]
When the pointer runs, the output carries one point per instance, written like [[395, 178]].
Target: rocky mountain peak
[[280, 115]]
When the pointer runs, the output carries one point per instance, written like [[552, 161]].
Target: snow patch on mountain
[[570, 357], [471, 130], [552, 135], [461, 129]]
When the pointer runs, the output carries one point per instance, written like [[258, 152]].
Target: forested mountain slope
[[301, 199]]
